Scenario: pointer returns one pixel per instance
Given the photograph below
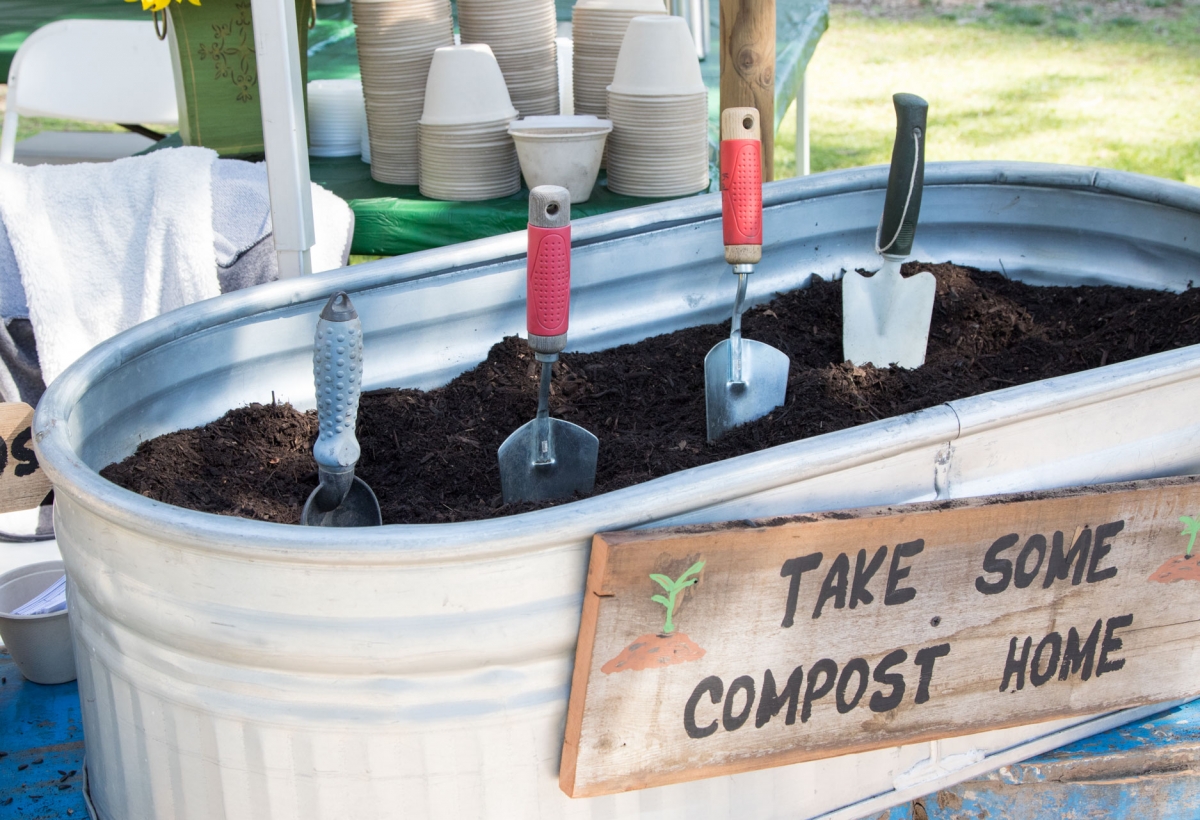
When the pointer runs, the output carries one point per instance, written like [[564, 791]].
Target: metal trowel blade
[[885, 320], [572, 470], [359, 508], [762, 389]]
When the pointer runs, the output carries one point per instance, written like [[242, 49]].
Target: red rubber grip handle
[[548, 281], [741, 191]]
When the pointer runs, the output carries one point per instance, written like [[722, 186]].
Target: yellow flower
[[159, 5]]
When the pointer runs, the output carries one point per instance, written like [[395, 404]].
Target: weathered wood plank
[[23, 483], [807, 637], [748, 65]]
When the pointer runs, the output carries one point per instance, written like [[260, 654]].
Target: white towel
[[241, 221], [242, 217], [107, 207], [333, 223], [241, 208], [12, 292], [104, 246]]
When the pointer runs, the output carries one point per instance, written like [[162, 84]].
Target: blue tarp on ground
[[1142, 770], [41, 748]]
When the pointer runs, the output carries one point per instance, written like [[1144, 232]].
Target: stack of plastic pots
[[336, 118], [598, 28], [466, 152], [659, 110], [521, 34], [396, 41]]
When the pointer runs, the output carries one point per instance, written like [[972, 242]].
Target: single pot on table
[[260, 669], [40, 645], [561, 150]]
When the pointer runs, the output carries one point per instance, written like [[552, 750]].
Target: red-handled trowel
[[548, 458], [743, 380], [885, 317]]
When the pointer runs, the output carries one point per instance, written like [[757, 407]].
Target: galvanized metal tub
[[240, 669]]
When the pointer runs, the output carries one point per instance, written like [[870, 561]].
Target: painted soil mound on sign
[[430, 456], [1179, 568], [653, 651]]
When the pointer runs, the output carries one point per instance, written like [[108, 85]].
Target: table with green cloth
[[395, 219]]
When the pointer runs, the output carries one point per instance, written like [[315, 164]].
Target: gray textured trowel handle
[[903, 203], [337, 374]]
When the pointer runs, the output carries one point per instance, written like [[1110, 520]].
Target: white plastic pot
[[465, 86], [658, 57], [242, 669], [40, 645], [562, 151]]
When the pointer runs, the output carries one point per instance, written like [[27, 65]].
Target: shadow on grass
[[1158, 20], [1006, 13], [1026, 108], [847, 151]]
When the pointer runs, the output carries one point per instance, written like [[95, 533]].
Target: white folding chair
[[114, 71]]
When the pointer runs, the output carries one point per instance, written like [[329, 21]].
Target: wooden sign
[[712, 650], [23, 483]]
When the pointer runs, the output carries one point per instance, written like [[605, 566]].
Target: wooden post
[[748, 66]]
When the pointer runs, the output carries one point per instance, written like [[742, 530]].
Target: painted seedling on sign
[[717, 649], [663, 648]]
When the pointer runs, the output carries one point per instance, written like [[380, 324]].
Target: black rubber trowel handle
[[903, 203]]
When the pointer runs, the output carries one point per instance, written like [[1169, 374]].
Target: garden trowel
[[743, 380], [885, 317], [548, 458], [342, 499]]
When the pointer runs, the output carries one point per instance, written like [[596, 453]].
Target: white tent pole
[[280, 90]]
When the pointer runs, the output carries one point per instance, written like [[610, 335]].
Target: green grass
[[28, 126], [1009, 85]]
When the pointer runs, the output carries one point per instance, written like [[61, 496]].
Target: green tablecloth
[[395, 219]]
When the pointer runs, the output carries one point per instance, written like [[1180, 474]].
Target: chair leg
[[802, 150], [8, 137]]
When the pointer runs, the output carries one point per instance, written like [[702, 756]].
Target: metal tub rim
[[629, 507]]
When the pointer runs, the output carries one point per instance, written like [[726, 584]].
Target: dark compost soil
[[431, 456]]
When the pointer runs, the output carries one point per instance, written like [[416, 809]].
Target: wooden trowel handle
[[548, 269], [741, 185], [905, 180]]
